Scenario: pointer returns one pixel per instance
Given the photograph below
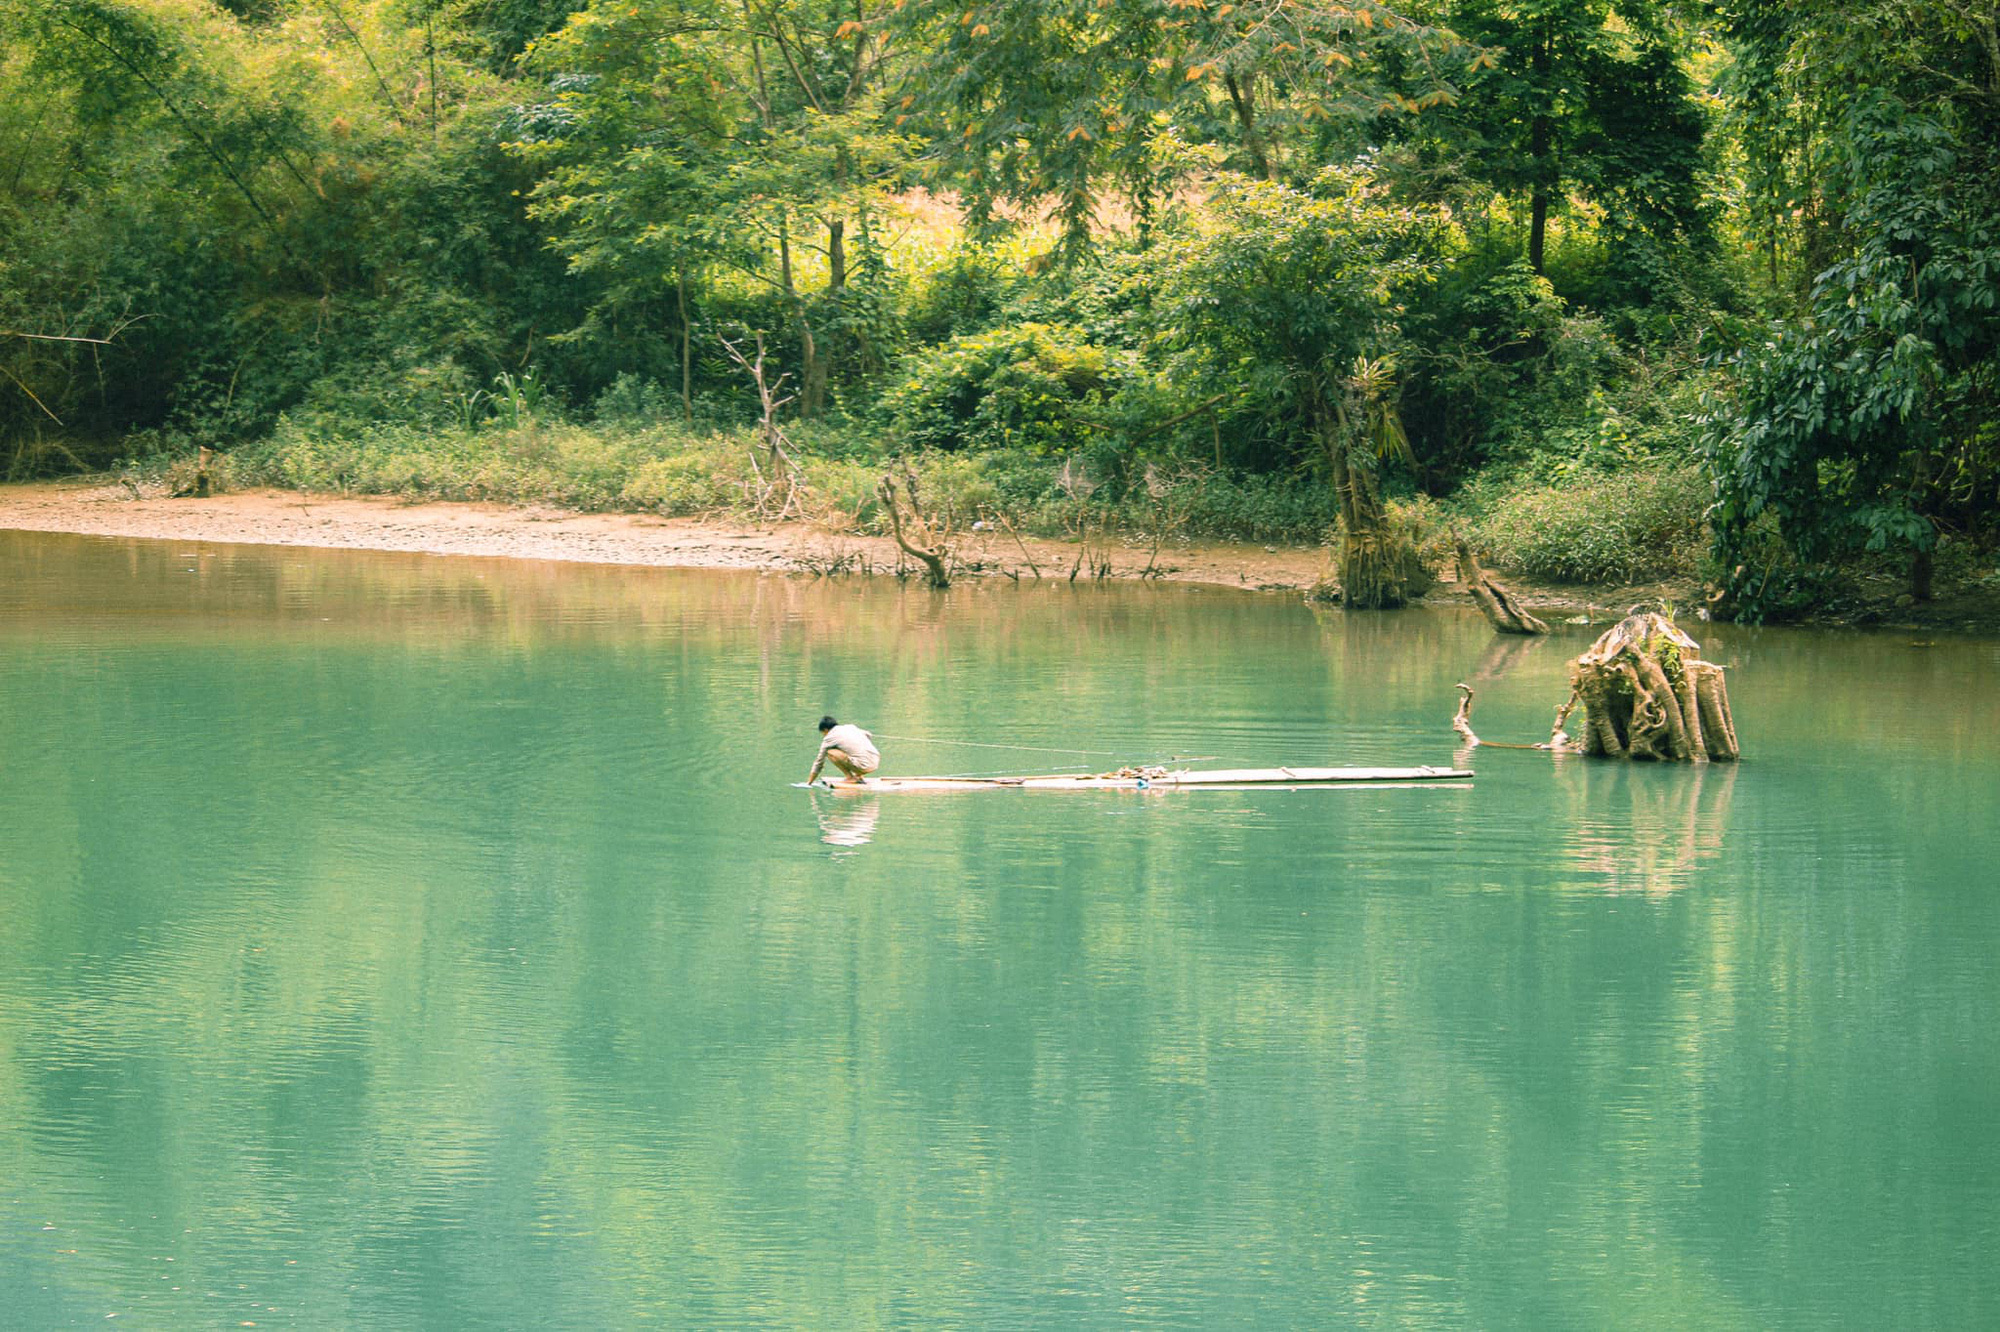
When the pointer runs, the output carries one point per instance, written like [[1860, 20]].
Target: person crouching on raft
[[848, 748]]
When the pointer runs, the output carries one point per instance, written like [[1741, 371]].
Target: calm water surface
[[393, 942]]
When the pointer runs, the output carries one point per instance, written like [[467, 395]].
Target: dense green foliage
[[1871, 418], [1030, 386], [1245, 269]]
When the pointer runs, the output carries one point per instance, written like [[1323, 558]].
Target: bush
[[679, 472], [1643, 522], [1261, 509], [962, 288], [589, 469], [633, 400], [1028, 386], [843, 489], [693, 481]]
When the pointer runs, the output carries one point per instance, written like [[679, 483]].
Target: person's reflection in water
[[846, 822]]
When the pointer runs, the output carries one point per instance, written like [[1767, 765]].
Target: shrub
[[843, 489], [1644, 522], [633, 400], [591, 469], [1260, 507], [959, 289], [679, 472], [1028, 386], [693, 481]]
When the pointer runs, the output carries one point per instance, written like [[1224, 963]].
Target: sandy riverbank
[[286, 518]]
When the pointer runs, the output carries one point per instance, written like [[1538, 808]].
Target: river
[[397, 941]]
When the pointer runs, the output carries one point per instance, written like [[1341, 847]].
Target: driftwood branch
[[777, 478], [926, 539], [201, 485], [1207, 405], [1032, 566], [53, 337]]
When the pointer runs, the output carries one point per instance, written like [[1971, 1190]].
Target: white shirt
[[854, 742]]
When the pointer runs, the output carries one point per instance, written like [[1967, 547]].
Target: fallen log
[[1494, 600]]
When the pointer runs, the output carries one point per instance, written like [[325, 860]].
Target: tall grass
[[681, 471]]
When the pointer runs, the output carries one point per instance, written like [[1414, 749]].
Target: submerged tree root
[[1558, 741], [926, 538]]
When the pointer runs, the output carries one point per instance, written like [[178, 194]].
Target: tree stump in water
[[1493, 600], [1647, 694]]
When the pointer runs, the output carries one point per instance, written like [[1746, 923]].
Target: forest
[[1626, 290]]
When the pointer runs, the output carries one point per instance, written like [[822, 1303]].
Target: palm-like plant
[[1379, 565]]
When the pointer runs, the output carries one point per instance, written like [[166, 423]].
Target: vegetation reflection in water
[[389, 940]]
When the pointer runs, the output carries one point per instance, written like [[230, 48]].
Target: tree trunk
[[1368, 577], [431, 54], [812, 375], [1379, 567], [935, 556], [819, 368], [1540, 164], [785, 283], [1242, 98], [687, 349], [1538, 228]]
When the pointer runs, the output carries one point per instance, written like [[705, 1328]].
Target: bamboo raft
[[1164, 779]]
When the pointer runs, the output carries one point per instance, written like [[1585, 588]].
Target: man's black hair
[[827, 723]]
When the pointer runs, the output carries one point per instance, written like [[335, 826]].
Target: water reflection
[[846, 821], [1511, 652], [452, 987], [1644, 827]]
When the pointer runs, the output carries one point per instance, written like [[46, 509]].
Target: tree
[[1581, 96], [632, 148], [1871, 420], [1292, 296], [686, 136], [1063, 100]]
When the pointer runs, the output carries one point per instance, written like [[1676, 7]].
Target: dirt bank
[[288, 518]]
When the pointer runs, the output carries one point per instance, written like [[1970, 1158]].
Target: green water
[[392, 942]]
